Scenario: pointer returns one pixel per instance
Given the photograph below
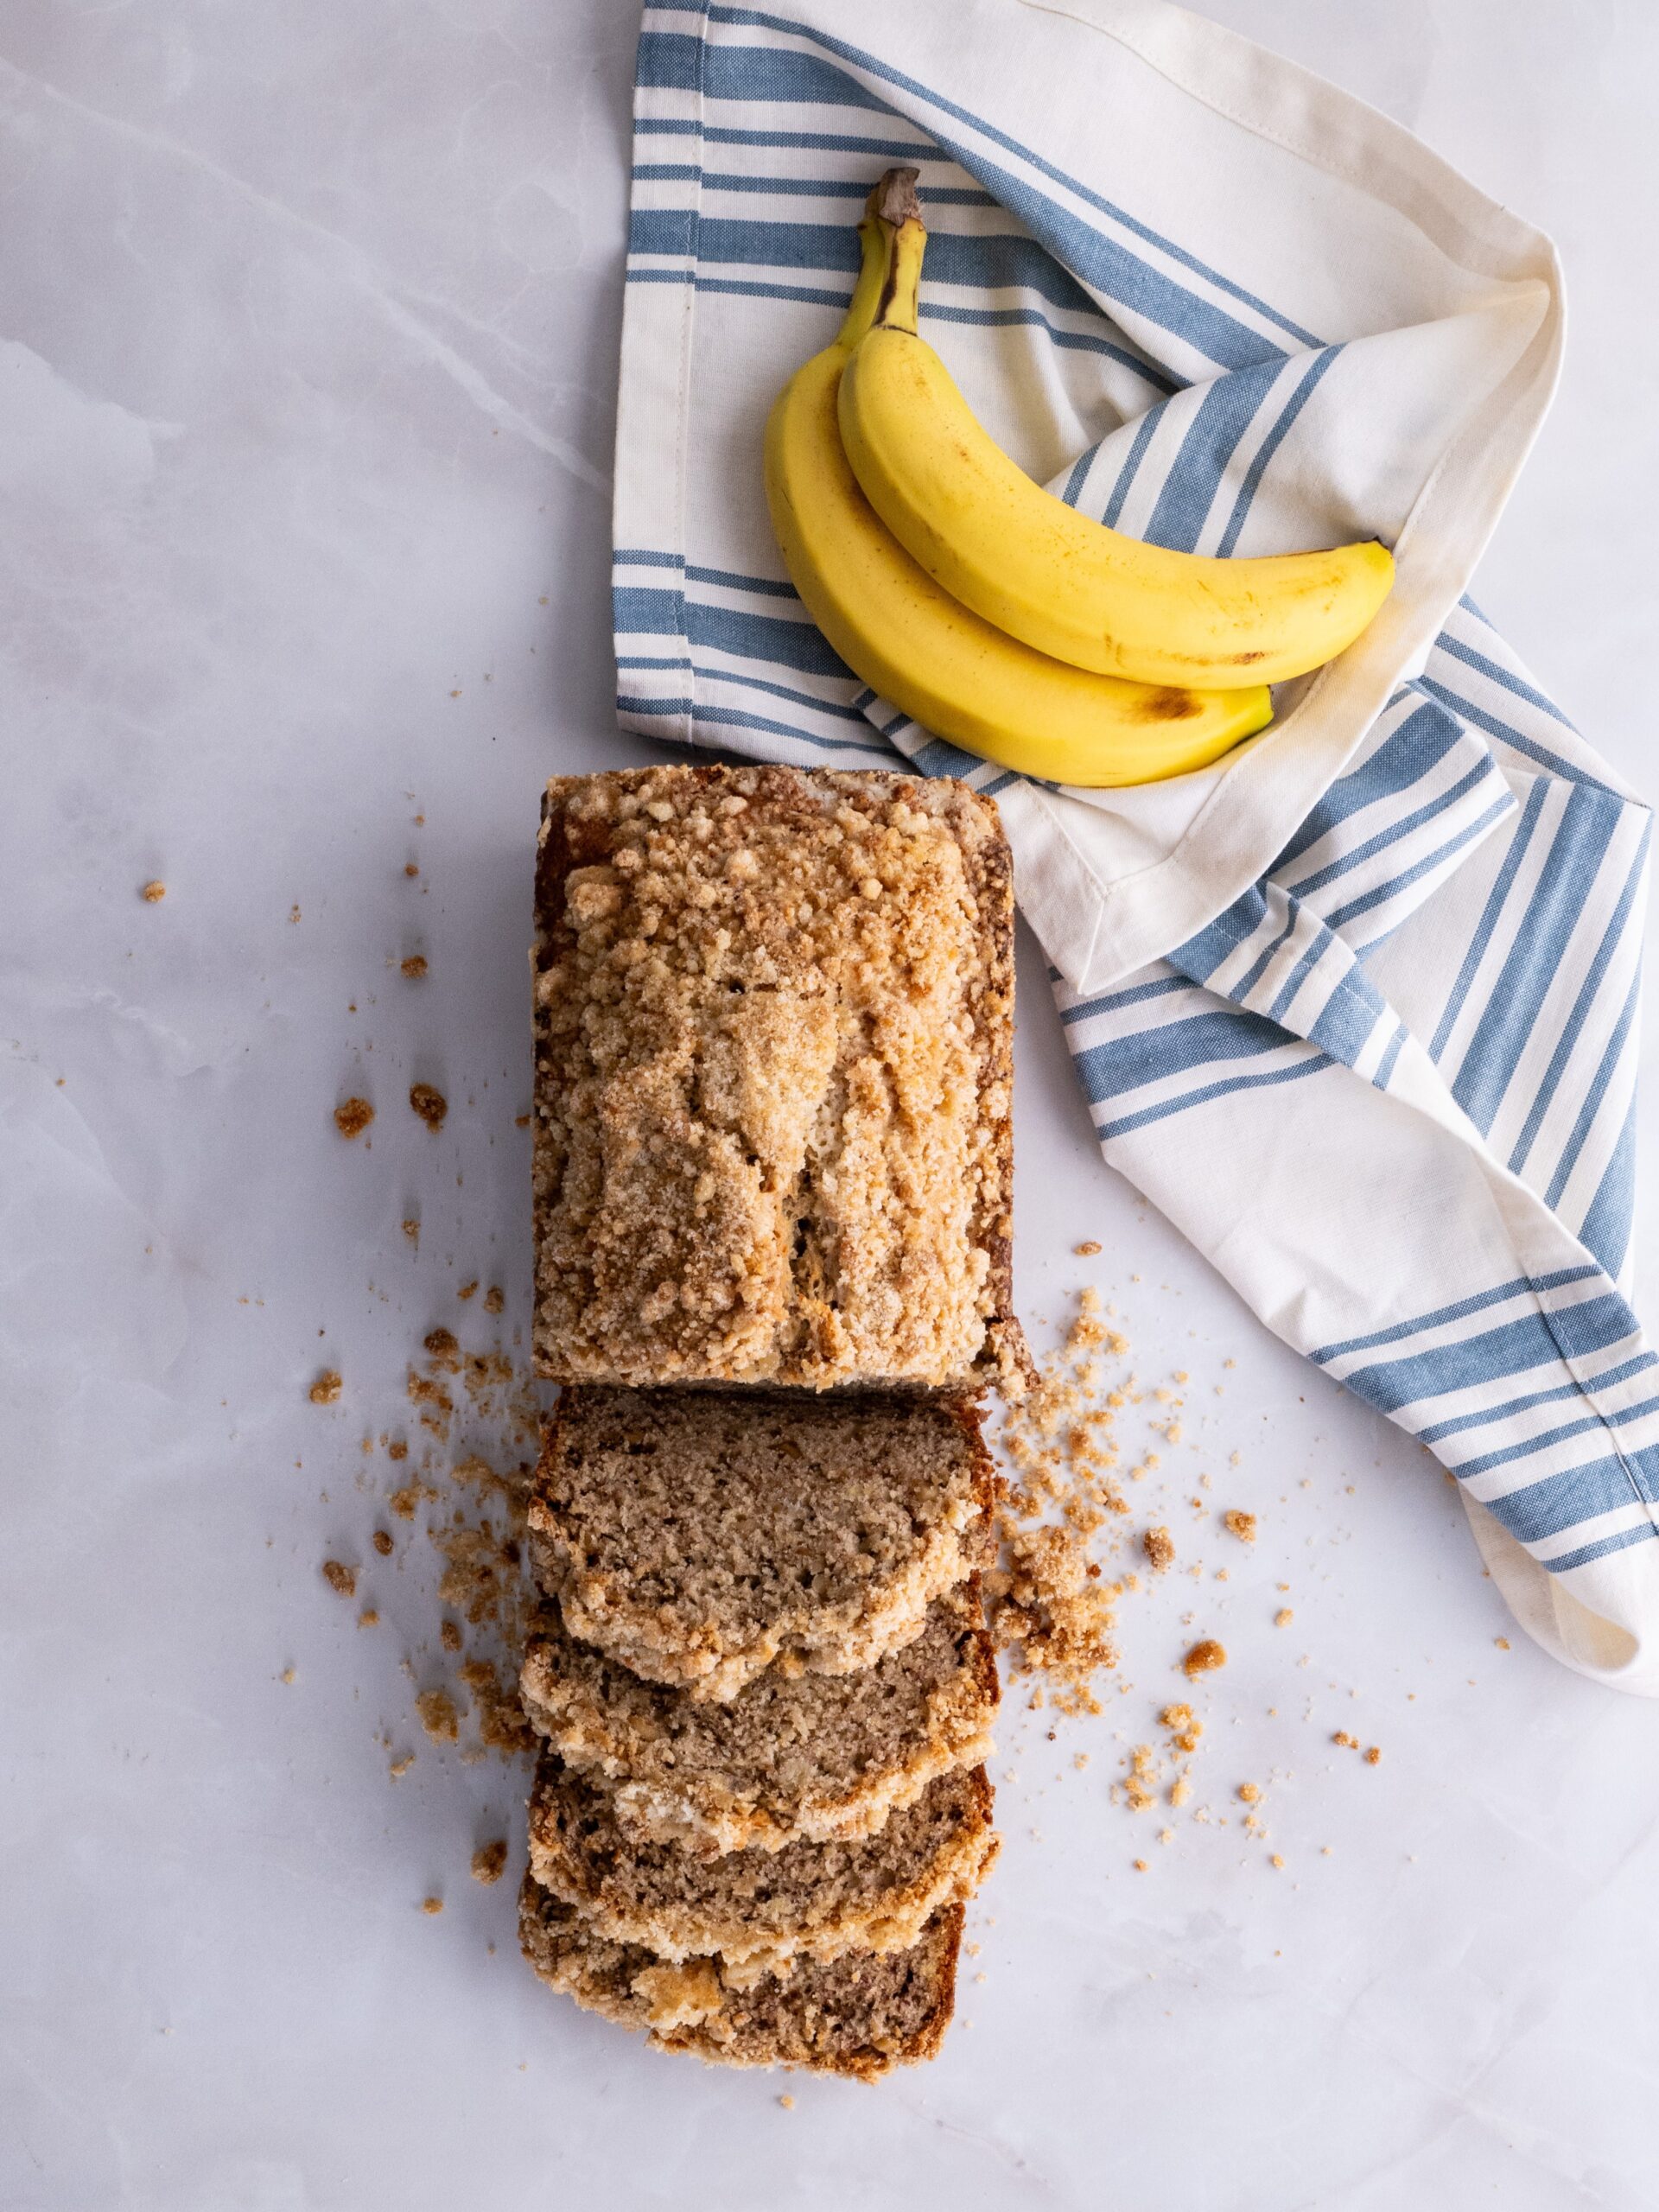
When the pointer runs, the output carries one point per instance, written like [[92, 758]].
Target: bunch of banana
[[989, 611]]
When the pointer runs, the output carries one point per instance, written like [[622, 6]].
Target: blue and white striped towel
[[1356, 1007]]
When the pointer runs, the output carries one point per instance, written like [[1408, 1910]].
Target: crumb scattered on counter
[[1242, 1525], [1086, 1251], [489, 1862], [494, 1299], [1250, 1792], [340, 1579], [432, 1905], [415, 967], [352, 1117], [400, 1766], [1159, 1548], [383, 1540], [153, 893], [1283, 1617], [326, 1390], [469, 1289], [438, 1715], [368, 1617], [429, 1105], [1205, 1658]]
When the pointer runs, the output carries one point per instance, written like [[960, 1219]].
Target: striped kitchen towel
[[1356, 1007]]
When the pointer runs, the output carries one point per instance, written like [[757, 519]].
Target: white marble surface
[[308, 326]]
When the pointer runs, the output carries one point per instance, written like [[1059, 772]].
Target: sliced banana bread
[[699, 1535], [860, 2014], [773, 1055], [761, 1907], [813, 1757]]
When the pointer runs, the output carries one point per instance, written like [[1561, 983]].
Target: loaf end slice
[[860, 2015]]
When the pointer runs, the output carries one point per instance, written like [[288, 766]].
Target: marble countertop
[[308, 320]]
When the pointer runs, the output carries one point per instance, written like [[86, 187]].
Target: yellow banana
[[953, 672], [1039, 569]]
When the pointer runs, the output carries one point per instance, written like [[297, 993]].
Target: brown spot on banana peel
[[1167, 704]]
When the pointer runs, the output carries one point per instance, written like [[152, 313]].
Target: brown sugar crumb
[[1283, 1617], [398, 1451], [1501, 1642], [1242, 1525], [1159, 1548], [429, 1105], [1140, 1866], [502, 1725], [1277, 1863], [1205, 1658], [1057, 1609], [1183, 1725], [412, 1230], [368, 1617], [326, 1390], [341, 1579], [1374, 1757], [489, 1862], [432, 1905], [400, 1766], [405, 1502], [788, 2103], [469, 1289], [1086, 1251], [1250, 1792], [382, 1540], [1349, 1742], [441, 1343], [415, 967], [438, 1716], [1140, 1785], [411, 869], [352, 1117], [449, 1635], [153, 893], [494, 1299]]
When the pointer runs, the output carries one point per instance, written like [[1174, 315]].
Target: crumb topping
[[773, 1018]]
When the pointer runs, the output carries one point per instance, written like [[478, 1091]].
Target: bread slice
[[761, 1908], [697, 1536], [815, 1757], [861, 2014], [774, 1058]]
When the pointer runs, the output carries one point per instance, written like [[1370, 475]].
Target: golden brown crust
[[773, 1035], [859, 2015]]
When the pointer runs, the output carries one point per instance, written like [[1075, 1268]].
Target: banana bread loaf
[[773, 1053]]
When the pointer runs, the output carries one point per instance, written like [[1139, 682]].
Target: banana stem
[[900, 294], [892, 202]]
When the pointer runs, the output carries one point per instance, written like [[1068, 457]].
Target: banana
[[1044, 572], [955, 673]]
